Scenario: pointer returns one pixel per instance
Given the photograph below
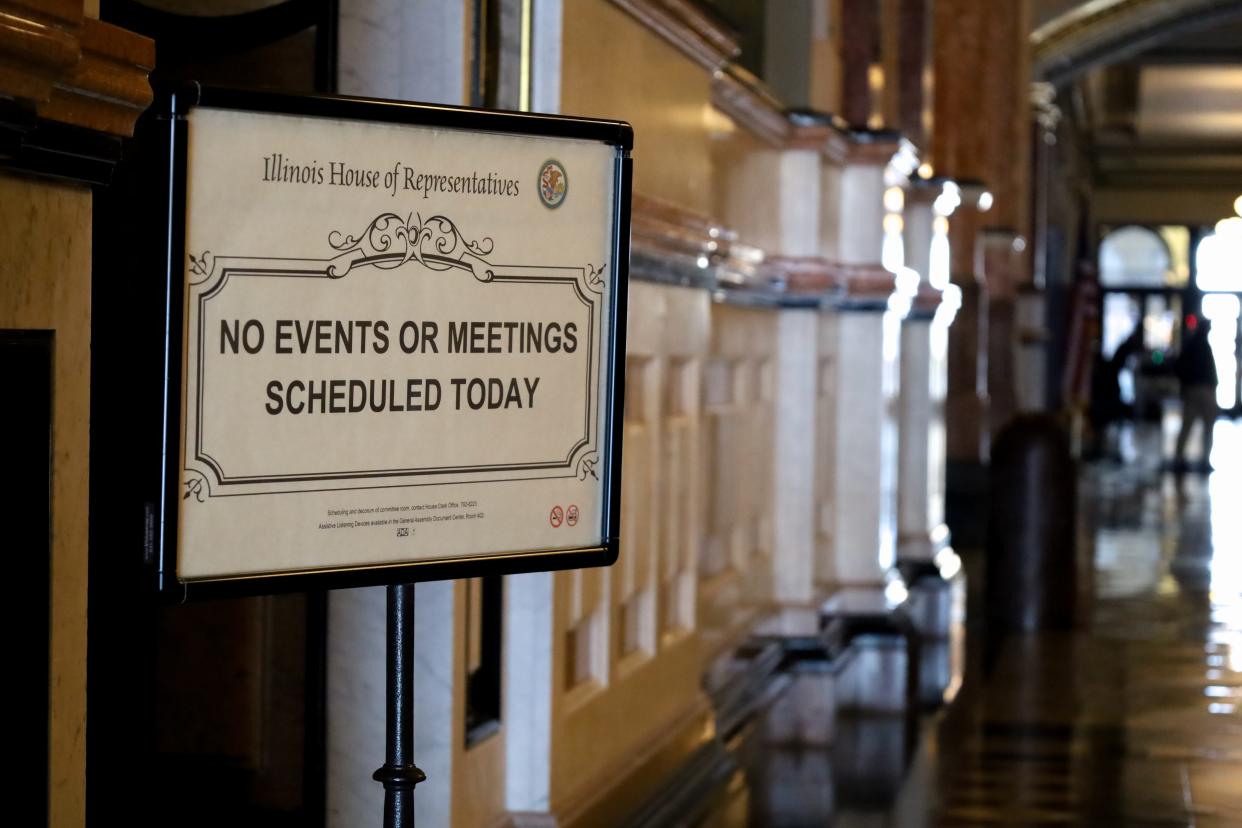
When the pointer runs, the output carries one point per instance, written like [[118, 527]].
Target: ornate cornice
[[738, 94], [660, 226], [882, 148], [1044, 108], [108, 89], [743, 97], [73, 70], [38, 45], [674, 245], [865, 281], [678, 246], [805, 274], [688, 28]]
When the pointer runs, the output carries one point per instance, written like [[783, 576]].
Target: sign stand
[[428, 272], [399, 775]]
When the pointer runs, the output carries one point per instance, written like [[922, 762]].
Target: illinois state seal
[[553, 183]]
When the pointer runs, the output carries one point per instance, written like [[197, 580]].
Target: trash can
[[1031, 579]]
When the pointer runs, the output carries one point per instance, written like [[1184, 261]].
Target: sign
[[401, 339]]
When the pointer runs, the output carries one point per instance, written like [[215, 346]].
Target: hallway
[[1131, 720]]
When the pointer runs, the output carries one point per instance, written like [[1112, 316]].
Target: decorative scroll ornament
[[194, 486], [202, 265], [587, 465], [594, 278], [390, 241]]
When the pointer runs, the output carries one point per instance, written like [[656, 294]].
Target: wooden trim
[[38, 44], [686, 27], [662, 227], [743, 97], [805, 274], [872, 151], [828, 140], [108, 89], [865, 281], [739, 95], [73, 70]]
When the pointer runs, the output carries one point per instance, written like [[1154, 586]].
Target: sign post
[[394, 346], [399, 774]]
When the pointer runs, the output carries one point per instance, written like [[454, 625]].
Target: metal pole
[[399, 775]]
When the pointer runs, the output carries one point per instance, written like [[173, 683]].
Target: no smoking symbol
[[571, 517], [556, 517]]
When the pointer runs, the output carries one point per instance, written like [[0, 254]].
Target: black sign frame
[[167, 121]]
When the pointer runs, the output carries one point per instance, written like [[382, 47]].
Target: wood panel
[[45, 284]]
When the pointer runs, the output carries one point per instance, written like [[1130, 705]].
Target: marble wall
[[614, 67]]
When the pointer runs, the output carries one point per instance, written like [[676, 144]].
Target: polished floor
[[1133, 718]]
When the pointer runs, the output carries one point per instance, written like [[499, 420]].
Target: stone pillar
[[788, 179], [859, 50], [376, 59], [530, 597], [982, 133], [1034, 337], [793, 507], [920, 502], [865, 335], [997, 259], [914, 40], [1030, 361], [967, 403]]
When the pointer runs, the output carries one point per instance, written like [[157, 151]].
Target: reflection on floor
[[1135, 718]]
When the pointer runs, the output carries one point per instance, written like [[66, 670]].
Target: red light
[[1192, 322]]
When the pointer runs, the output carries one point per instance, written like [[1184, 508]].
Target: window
[[1218, 262], [1135, 257]]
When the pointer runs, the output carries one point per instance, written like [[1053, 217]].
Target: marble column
[[865, 332], [920, 503], [859, 36], [377, 58], [1033, 333], [1031, 360], [914, 33], [967, 402], [793, 510], [403, 51], [997, 257], [982, 133], [529, 598], [789, 225]]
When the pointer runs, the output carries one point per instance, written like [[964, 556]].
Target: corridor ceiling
[[1156, 83]]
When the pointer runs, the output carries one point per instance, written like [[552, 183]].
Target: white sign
[[397, 342]]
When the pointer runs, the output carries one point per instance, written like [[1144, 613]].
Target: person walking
[[1196, 373]]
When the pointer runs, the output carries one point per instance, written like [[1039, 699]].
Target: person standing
[[1196, 373]]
